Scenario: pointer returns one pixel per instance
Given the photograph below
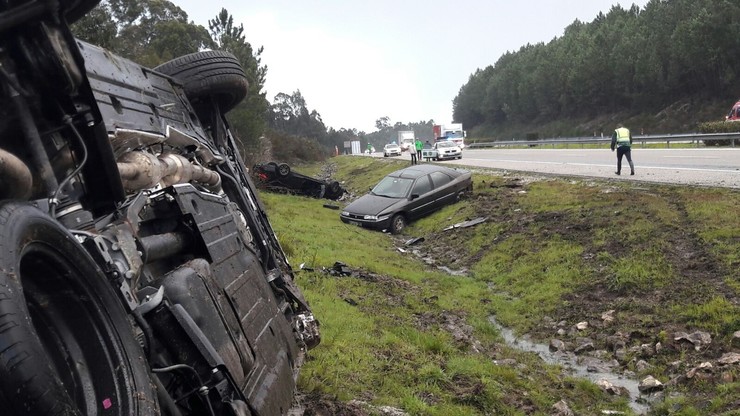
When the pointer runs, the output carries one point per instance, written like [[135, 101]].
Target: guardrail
[[691, 138]]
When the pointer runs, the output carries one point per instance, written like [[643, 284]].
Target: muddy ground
[[644, 335]]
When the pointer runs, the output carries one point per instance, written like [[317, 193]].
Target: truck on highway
[[452, 131], [406, 138]]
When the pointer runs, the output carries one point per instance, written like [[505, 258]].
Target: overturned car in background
[[139, 274], [281, 178]]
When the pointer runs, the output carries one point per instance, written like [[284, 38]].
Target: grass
[[564, 250]]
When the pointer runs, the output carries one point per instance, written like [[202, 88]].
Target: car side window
[[439, 179], [422, 186]]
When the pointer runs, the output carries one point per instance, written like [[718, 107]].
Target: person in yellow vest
[[622, 140]]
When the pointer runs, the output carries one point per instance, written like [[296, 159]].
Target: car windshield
[[445, 144], [393, 187], [391, 146]]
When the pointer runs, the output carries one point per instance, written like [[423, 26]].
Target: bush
[[719, 127]]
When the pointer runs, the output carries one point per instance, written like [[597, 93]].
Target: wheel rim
[[398, 224], [77, 336]]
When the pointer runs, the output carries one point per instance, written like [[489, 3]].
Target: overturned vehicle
[[281, 178], [139, 274]]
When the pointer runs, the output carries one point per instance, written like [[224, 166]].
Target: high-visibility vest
[[623, 136]]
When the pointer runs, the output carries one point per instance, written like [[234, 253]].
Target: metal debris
[[466, 224]]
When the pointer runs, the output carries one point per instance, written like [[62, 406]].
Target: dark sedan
[[406, 195]]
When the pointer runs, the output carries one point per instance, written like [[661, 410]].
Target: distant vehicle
[[281, 178], [391, 149], [452, 131], [407, 195], [406, 139], [447, 149], [734, 114]]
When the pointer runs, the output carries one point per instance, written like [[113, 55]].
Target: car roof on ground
[[416, 171]]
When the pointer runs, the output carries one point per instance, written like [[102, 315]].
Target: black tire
[[283, 170], [67, 345], [334, 187], [398, 224], [209, 74]]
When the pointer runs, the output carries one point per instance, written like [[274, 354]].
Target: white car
[[447, 149], [391, 149]]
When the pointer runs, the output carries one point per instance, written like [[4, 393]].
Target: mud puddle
[[590, 368]]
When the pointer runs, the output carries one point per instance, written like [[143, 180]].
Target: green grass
[[547, 252]]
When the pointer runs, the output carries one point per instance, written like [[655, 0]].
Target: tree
[[248, 119], [149, 32], [291, 115]]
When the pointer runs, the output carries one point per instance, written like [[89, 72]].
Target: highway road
[[718, 167]]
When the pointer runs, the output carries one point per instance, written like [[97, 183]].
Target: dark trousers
[[624, 151], [413, 158]]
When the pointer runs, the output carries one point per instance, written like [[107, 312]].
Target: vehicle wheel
[[67, 345], [209, 74], [283, 169], [334, 187], [398, 223]]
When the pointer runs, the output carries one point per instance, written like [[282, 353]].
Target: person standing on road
[[419, 146], [412, 152], [622, 139]]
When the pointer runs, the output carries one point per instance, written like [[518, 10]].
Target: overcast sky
[[357, 61]]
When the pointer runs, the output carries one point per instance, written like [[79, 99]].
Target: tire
[[283, 170], [209, 74], [398, 224], [334, 187], [67, 346]]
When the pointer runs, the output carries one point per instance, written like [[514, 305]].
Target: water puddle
[[591, 368]]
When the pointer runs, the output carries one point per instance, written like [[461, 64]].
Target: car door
[[421, 198], [444, 191]]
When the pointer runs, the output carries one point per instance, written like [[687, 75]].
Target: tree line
[[625, 61]]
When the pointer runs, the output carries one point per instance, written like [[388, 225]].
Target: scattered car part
[[466, 224]]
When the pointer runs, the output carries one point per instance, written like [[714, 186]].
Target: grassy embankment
[[400, 332]]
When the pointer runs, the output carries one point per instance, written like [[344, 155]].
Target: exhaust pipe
[[141, 170]]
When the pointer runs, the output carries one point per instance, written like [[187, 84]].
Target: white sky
[[357, 61]]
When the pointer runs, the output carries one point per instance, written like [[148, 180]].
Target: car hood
[[370, 204]]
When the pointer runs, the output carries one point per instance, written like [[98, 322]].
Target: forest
[[666, 67], [671, 55]]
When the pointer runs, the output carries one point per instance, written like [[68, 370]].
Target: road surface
[[718, 167]]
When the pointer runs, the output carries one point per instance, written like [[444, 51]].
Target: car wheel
[[398, 223], [334, 187], [68, 347], [209, 74], [283, 169]]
